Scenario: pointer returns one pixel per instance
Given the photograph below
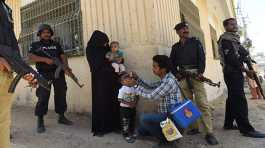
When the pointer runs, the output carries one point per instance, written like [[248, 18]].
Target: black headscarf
[[97, 49], [98, 39]]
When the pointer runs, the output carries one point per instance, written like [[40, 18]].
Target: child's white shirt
[[127, 94]]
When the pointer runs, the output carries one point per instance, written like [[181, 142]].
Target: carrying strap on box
[[181, 91], [168, 114]]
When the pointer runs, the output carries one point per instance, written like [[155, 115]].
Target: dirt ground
[[79, 136]]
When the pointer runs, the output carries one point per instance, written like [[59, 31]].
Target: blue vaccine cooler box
[[185, 113]]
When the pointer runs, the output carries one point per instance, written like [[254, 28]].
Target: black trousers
[[128, 116], [236, 103], [43, 95]]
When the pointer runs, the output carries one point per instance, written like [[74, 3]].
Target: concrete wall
[[212, 66], [132, 22], [144, 28], [15, 6]]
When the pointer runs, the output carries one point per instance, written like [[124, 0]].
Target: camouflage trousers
[[5, 109], [198, 95]]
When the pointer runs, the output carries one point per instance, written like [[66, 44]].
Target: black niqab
[[105, 85], [98, 39], [96, 51]]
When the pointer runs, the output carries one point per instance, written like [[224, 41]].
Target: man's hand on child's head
[[128, 79], [134, 75], [129, 82], [125, 82], [133, 82]]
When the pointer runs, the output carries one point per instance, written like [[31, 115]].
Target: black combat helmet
[[44, 27]]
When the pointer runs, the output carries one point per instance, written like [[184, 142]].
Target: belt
[[189, 67], [192, 70]]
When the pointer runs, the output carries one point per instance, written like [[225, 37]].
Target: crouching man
[[166, 91]]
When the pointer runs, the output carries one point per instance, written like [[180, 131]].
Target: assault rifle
[[60, 67], [249, 62], [203, 79], [20, 67]]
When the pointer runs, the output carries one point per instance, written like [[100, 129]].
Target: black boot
[[98, 134], [63, 120], [211, 140], [40, 125], [254, 134]]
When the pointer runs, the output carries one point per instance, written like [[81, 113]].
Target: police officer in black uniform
[[46, 67], [188, 55], [232, 61]]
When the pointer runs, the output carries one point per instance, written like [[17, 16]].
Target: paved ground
[[79, 136]]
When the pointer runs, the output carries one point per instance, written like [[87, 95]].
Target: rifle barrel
[[203, 79]]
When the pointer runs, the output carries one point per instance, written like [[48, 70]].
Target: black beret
[[181, 25]]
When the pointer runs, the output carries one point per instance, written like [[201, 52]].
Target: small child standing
[[128, 101], [116, 56]]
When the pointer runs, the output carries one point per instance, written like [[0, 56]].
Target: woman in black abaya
[[105, 85]]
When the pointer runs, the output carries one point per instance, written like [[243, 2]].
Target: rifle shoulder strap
[[181, 90]]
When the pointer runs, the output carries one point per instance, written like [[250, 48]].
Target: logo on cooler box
[[188, 113]]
